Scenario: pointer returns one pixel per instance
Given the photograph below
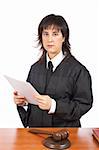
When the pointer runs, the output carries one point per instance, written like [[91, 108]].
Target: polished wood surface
[[21, 139]]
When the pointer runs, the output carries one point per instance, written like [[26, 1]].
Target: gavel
[[57, 136]]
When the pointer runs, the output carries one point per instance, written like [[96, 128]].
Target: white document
[[23, 88]]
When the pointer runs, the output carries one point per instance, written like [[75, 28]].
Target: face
[[52, 40]]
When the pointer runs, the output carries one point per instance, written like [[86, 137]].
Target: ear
[[63, 39]]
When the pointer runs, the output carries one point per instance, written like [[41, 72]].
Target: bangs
[[52, 26], [51, 22]]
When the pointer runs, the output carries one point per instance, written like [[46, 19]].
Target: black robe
[[70, 86]]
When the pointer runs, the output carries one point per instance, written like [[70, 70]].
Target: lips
[[50, 46]]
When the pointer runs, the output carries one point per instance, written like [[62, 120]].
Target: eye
[[45, 34], [55, 33]]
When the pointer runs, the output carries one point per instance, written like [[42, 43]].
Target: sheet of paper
[[24, 88]]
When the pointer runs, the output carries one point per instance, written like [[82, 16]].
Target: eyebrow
[[45, 30]]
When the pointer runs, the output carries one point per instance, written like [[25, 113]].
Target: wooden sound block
[[50, 143]]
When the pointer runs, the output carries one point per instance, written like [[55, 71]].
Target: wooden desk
[[21, 139]]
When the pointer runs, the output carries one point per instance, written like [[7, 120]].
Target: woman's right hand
[[19, 99]]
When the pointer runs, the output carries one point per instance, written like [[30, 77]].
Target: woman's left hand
[[44, 102]]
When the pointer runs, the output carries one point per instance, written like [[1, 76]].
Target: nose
[[50, 38]]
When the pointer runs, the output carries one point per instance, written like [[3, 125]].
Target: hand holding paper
[[44, 102], [19, 100], [24, 88]]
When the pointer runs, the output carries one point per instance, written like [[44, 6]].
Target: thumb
[[15, 93]]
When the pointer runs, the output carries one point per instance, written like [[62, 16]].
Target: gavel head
[[59, 140], [60, 135]]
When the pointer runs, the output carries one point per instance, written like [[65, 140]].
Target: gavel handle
[[38, 131]]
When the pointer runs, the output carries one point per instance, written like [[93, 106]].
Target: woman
[[65, 89]]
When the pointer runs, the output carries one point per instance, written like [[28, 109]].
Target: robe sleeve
[[81, 101]]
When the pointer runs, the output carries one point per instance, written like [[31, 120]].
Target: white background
[[19, 21]]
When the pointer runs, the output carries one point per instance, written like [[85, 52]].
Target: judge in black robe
[[69, 84]]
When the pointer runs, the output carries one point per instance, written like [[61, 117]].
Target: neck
[[52, 55]]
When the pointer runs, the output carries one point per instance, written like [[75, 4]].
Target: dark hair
[[59, 23]]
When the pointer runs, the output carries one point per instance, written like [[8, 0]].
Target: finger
[[19, 100], [41, 106], [41, 101], [19, 97], [15, 93], [39, 97], [22, 102]]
